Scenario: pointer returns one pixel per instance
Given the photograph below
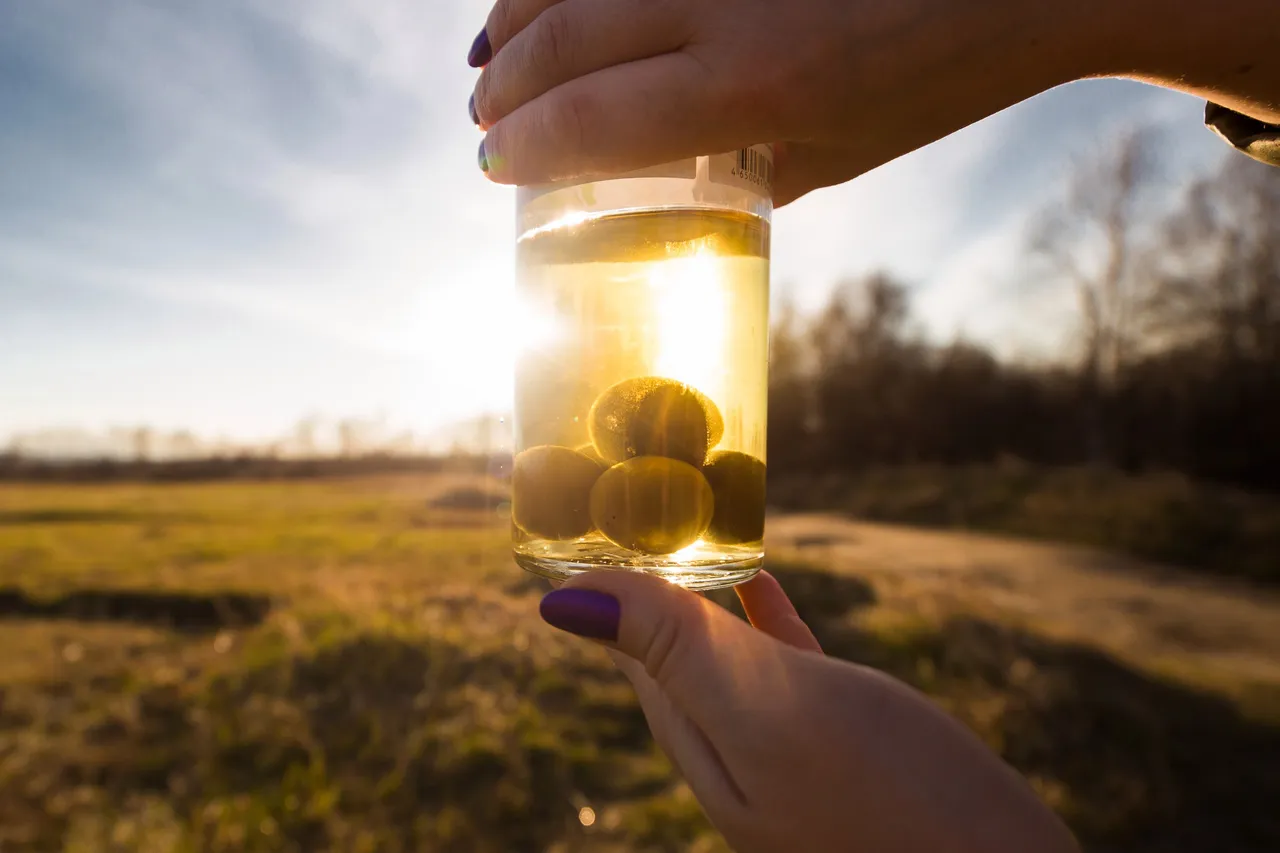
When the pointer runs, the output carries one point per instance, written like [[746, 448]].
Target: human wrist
[[1053, 42], [1223, 52], [989, 55]]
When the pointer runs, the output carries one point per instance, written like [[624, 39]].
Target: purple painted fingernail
[[481, 51], [471, 108], [584, 612], [483, 158]]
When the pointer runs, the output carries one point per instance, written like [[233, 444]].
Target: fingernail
[[484, 158], [471, 108], [584, 612], [481, 51]]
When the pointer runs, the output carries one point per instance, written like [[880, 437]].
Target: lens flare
[[690, 313]]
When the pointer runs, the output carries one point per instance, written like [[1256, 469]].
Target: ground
[[356, 664]]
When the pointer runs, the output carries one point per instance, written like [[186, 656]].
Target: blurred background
[[255, 361]]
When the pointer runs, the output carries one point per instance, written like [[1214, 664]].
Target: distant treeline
[[1177, 367], [246, 467]]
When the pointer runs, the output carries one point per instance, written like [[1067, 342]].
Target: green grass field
[[358, 665]]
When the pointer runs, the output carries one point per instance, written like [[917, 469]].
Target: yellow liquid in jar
[[641, 396]]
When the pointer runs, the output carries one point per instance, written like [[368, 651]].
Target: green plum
[[589, 450], [652, 505], [654, 416], [738, 482], [551, 492], [670, 421]]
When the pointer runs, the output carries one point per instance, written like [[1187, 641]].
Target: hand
[[576, 88], [788, 750]]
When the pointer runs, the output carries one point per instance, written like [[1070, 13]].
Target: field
[[1162, 516], [356, 664]]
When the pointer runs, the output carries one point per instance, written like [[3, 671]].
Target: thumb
[[704, 658]]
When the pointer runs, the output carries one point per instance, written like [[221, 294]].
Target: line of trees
[[1177, 365]]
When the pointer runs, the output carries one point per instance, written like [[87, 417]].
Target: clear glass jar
[[642, 380]]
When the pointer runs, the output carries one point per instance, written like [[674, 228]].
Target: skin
[[581, 88], [788, 750]]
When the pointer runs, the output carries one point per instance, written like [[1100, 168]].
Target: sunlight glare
[[690, 552], [470, 339], [689, 307], [531, 327]]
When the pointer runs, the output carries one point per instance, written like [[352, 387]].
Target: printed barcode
[[754, 167]]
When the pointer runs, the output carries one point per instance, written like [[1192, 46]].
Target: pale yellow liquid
[[681, 294]]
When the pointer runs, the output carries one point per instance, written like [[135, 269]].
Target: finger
[[711, 664], [506, 20], [616, 120], [570, 39], [770, 611]]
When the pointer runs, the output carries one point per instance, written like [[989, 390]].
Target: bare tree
[[350, 435], [862, 351], [1092, 240], [1218, 266], [865, 318], [144, 440], [183, 444], [304, 437], [791, 409]]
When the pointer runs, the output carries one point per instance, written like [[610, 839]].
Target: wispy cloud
[[230, 215], [293, 172]]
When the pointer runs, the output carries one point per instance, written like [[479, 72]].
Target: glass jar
[[642, 376]]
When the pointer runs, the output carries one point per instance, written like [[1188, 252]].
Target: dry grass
[[357, 665]]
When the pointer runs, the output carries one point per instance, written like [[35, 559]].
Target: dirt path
[[1202, 629]]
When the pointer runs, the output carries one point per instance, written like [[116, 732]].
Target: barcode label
[[750, 168], [754, 167]]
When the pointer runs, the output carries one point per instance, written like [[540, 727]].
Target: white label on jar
[[749, 168]]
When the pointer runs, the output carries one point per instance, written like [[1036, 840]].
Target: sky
[[228, 216]]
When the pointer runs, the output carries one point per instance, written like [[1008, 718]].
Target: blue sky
[[227, 216]]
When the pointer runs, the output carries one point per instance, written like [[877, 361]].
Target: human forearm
[[1227, 52]]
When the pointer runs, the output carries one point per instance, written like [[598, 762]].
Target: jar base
[[720, 575]]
